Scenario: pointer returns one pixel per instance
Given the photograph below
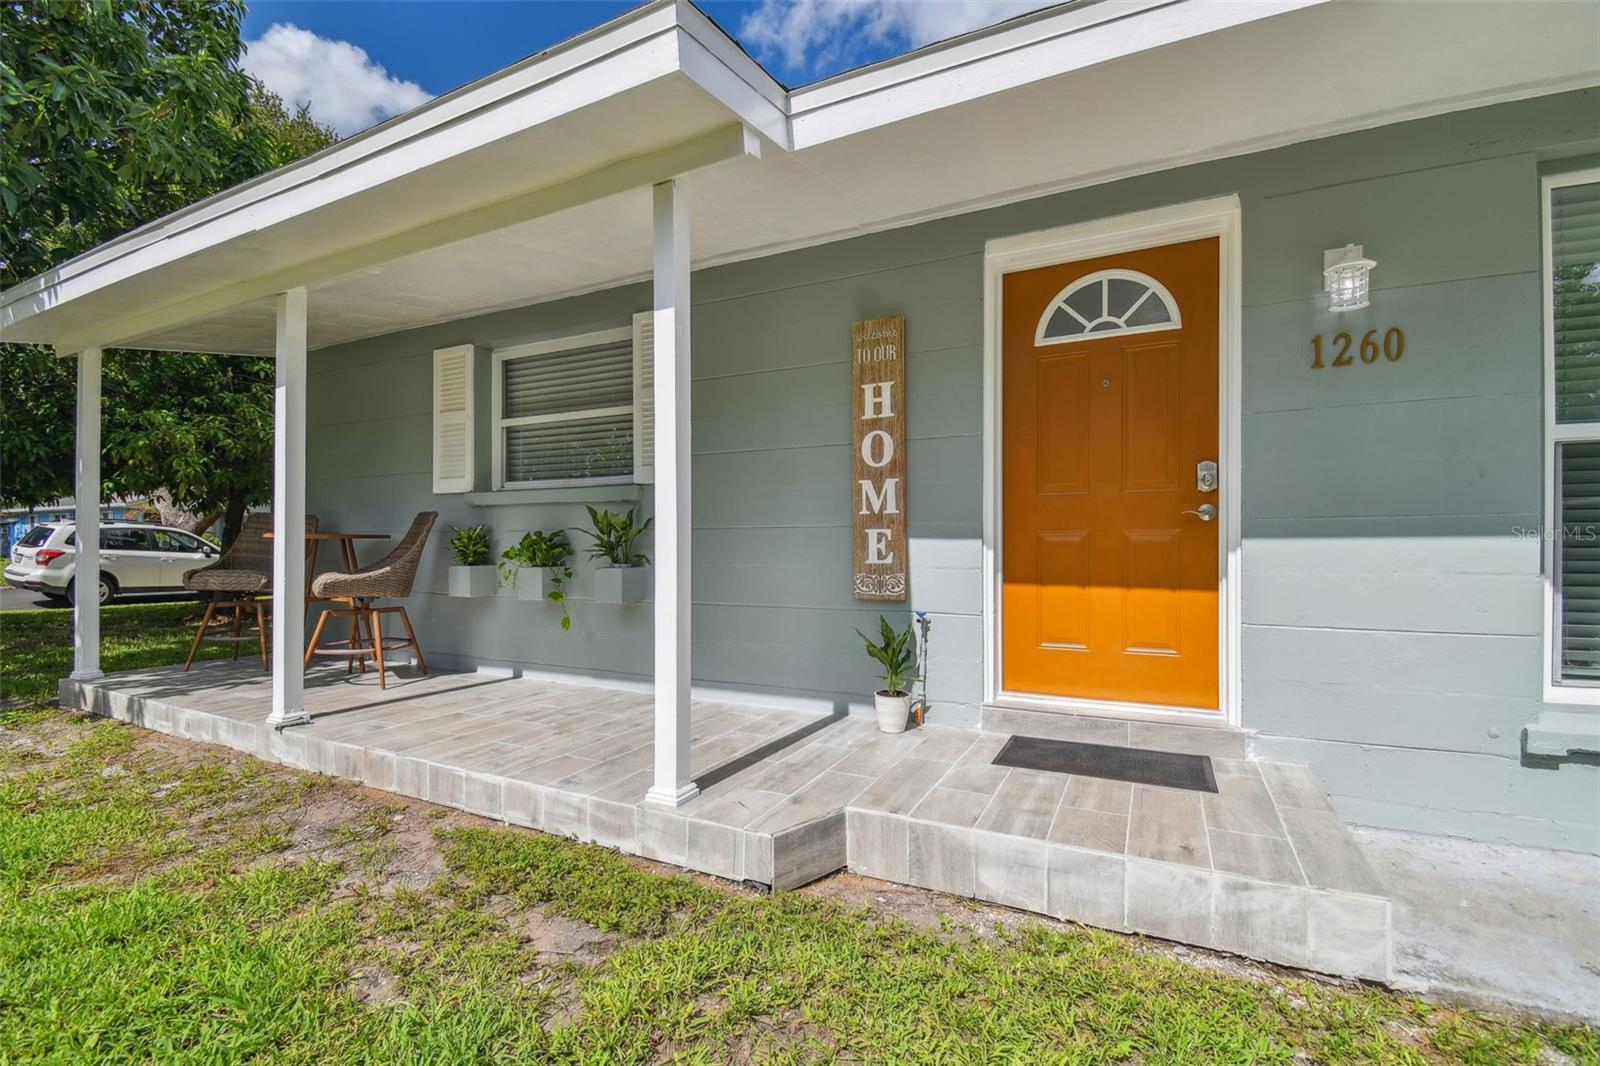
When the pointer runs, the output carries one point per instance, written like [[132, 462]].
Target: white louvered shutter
[[644, 398], [452, 419]]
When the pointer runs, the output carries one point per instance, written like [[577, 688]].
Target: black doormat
[[1167, 768]]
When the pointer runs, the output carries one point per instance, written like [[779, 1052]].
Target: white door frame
[[1218, 217]]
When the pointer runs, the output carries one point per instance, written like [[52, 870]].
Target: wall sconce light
[[1344, 272]]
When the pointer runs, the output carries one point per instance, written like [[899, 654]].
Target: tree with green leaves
[[117, 112]]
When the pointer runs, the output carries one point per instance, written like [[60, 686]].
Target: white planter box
[[472, 582], [535, 583], [622, 584]]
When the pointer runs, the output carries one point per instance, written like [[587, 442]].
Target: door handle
[[1206, 513]]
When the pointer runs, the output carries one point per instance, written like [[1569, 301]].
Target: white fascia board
[[1051, 43], [411, 130], [734, 141], [658, 39], [639, 63], [655, 41], [726, 71]]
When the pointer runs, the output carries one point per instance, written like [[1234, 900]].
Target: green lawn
[[36, 646], [165, 901]]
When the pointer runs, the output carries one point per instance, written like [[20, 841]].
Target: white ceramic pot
[[893, 711]]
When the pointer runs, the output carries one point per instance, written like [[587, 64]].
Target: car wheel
[[107, 590]]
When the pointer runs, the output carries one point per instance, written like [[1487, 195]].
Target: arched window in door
[[1108, 302]]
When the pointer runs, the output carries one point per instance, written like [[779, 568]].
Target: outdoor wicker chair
[[390, 578], [234, 582]]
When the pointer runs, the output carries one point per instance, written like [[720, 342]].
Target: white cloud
[[807, 39], [344, 86]]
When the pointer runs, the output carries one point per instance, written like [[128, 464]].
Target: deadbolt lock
[[1205, 476]]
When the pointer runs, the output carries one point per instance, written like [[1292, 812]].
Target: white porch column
[[289, 513], [86, 500], [673, 783]]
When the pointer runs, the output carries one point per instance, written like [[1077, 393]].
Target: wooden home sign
[[878, 482]]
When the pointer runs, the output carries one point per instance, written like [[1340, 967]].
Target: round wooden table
[[347, 551]]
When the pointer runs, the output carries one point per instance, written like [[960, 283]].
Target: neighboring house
[[15, 521], [1154, 470]]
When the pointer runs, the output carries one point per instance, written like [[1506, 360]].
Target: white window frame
[[500, 423], [1556, 434]]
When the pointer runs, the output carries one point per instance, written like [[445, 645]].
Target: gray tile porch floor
[[1263, 868]]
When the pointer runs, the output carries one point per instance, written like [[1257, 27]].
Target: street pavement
[[22, 600]]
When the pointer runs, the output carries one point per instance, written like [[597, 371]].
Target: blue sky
[[441, 44], [359, 61]]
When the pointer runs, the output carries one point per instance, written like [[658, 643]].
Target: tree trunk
[[170, 514], [232, 519], [205, 523]]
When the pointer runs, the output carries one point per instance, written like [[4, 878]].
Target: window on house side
[[1572, 433], [564, 411]]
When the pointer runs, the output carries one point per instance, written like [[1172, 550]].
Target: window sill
[[1560, 734], [555, 494]]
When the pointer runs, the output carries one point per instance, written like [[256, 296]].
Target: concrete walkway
[[1492, 924]]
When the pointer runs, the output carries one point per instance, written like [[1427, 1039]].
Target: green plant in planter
[[469, 545], [544, 550], [895, 654], [614, 535]]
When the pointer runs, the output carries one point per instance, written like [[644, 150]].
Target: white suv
[[133, 559]]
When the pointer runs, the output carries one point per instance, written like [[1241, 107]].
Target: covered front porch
[[466, 219], [1262, 867]]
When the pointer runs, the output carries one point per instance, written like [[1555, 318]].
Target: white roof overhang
[[533, 183]]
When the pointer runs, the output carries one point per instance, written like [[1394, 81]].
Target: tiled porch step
[[1263, 867], [1295, 924], [1222, 740]]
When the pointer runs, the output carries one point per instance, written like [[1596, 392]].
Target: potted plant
[[627, 577], [547, 552], [473, 574], [896, 657]]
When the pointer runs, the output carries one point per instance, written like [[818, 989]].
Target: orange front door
[[1109, 409]]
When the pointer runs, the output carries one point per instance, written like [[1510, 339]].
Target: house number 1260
[[1391, 346]]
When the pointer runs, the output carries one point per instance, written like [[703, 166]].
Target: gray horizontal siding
[[1392, 613], [1461, 339], [1471, 220]]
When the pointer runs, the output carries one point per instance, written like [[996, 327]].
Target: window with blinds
[[1572, 343], [564, 410], [1575, 300], [1578, 561]]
